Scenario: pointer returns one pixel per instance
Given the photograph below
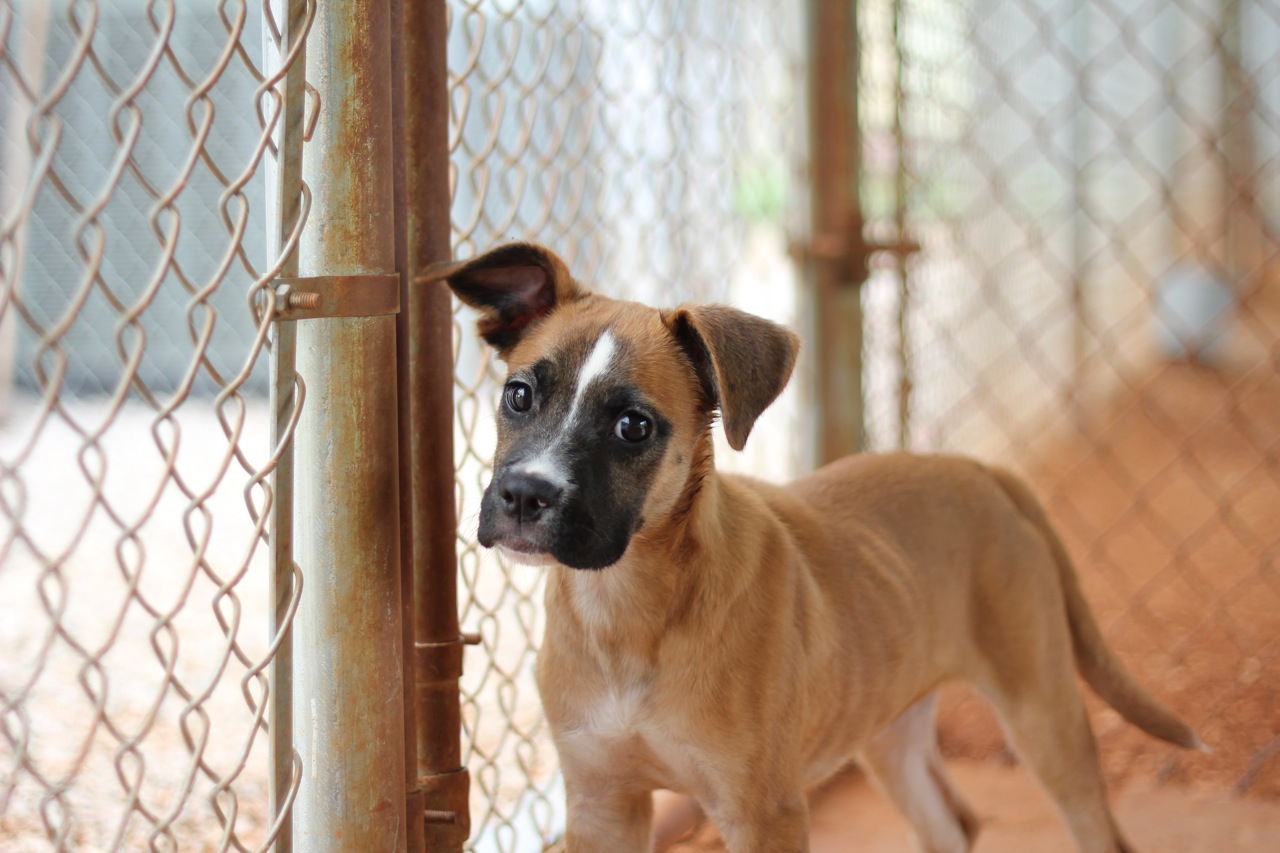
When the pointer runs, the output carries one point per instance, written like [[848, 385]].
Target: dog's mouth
[[518, 545], [526, 553], [531, 551], [521, 545]]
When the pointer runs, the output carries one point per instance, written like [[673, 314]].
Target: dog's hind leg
[[1049, 729], [1029, 677], [903, 761]]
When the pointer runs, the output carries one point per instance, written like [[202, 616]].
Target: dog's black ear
[[743, 361], [513, 287]]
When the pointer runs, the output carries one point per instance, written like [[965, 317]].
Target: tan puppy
[[739, 642]]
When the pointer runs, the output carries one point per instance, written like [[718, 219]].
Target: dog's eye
[[632, 426], [519, 396]]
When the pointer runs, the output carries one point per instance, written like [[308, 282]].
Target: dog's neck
[[624, 610]]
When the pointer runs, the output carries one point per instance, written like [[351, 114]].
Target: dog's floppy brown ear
[[743, 361], [513, 287]]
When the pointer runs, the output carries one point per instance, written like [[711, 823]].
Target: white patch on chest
[[615, 715], [619, 736], [621, 732], [608, 735]]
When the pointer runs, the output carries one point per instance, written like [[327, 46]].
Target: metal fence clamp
[[324, 296], [849, 254], [440, 664]]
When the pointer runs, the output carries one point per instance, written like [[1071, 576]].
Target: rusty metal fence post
[[835, 256], [439, 783], [348, 709]]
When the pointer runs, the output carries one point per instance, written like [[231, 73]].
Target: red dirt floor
[[848, 815]]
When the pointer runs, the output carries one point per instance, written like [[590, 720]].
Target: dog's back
[[946, 524]]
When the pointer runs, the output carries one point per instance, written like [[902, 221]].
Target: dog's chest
[[622, 731], [615, 717]]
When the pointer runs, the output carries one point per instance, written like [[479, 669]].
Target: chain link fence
[[651, 144], [135, 450], [1095, 189]]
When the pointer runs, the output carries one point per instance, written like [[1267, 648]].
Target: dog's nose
[[525, 496]]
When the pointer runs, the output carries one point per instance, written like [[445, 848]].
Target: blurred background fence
[[1095, 191], [651, 145], [1068, 214]]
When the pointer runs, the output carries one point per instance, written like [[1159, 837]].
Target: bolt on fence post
[[348, 647]]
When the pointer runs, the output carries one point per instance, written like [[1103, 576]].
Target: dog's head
[[605, 415]]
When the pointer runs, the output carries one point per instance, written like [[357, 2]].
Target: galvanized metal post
[[286, 182], [427, 424], [349, 707], [837, 253]]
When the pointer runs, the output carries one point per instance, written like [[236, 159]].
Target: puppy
[[739, 642]]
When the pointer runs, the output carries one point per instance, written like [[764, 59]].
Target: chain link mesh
[[134, 454], [651, 145], [1096, 190], [1086, 182], [1073, 172]]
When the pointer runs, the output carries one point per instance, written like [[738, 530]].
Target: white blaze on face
[[596, 366], [547, 464]]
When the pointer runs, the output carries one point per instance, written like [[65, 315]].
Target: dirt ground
[[1018, 818]]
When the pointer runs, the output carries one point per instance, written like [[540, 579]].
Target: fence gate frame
[[369, 479], [438, 783]]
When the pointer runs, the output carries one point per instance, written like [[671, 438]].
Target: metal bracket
[[445, 816], [447, 794], [324, 296], [851, 253], [442, 661]]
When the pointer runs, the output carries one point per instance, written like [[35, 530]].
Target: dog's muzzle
[[535, 516], [519, 512]]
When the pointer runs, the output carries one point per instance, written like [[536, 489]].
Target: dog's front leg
[[777, 826], [608, 819]]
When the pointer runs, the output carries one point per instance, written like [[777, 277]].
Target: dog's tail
[[1100, 668]]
